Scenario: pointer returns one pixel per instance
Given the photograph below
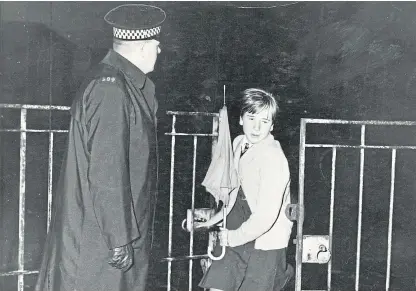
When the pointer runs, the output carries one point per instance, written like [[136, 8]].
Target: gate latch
[[197, 215], [316, 249], [292, 212]]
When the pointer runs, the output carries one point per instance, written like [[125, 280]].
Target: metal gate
[[23, 129], [314, 249], [22, 271], [374, 138], [174, 134]]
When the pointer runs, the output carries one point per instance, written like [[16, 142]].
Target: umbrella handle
[[183, 225], [224, 223]]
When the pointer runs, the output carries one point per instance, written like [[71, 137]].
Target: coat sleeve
[[108, 120], [273, 177]]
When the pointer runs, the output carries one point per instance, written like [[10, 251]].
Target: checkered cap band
[[132, 34]]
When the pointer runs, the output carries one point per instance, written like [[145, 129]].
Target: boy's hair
[[256, 100]]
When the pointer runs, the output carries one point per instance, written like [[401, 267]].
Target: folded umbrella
[[221, 177]]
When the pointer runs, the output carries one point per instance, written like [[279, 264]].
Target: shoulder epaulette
[[107, 79], [108, 74]]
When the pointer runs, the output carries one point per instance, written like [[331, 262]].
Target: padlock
[[323, 255], [315, 249]]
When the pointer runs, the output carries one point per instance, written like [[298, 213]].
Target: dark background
[[347, 60]]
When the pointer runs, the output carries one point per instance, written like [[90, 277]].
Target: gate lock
[[316, 249]]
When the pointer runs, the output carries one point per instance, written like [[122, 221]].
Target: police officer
[[101, 227]]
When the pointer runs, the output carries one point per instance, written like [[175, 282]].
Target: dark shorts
[[245, 268]]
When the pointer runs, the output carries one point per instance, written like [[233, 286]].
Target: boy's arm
[[220, 214], [274, 179]]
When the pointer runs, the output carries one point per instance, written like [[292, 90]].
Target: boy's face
[[257, 126]]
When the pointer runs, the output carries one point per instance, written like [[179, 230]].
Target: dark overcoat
[[106, 193]]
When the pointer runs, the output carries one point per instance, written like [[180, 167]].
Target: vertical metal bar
[[191, 237], [331, 214], [172, 167], [389, 243], [51, 48], [299, 238], [50, 158], [360, 210], [22, 182], [50, 168], [22, 193]]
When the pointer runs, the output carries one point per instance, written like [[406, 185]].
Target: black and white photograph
[[207, 145]]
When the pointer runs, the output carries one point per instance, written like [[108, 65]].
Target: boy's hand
[[121, 257], [201, 224], [204, 224]]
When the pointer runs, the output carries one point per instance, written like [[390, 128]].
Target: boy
[[258, 231]]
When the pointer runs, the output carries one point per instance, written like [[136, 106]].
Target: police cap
[[135, 21]]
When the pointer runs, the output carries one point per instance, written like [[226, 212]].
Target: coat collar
[[269, 139], [250, 154], [131, 71]]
